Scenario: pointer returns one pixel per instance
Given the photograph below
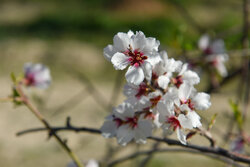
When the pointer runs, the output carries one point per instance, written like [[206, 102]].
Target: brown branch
[[35, 111], [172, 150], [215, 151]]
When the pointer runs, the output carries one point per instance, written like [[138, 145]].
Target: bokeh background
[[69, 36]]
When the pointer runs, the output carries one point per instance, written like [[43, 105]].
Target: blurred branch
[[185, 14], [172, 150], [150, 155], [245, 60], [225, 80], [215, 151]]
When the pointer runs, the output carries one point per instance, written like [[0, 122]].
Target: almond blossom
[[137, 52], [36, 75], [126, 125], [215, 53]]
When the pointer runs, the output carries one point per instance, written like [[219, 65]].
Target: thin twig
[[172, 150], [35, 111], [216, 151], [150, 155]]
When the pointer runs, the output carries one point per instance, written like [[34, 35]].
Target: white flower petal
[[147, 69], [109, 51], [134, 75], [124, 134], [153, 58], [143, 130], [201, 101], [181, 136], [108, 129], [130, 90], [204, 42], [120, 61], [122, 41], [217, 46], [191, 77], [163, 81], [185, 121], [184, 91], [195, 119]]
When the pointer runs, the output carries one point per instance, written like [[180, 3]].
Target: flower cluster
[[160, 91], [215, 53]]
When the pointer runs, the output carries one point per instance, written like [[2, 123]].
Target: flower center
[[118, 122], [177, 81], [143, 90], [189, 103], [30, 79], [155, 100], [136, 58], [174, 122], [132, 121], [208, 51]]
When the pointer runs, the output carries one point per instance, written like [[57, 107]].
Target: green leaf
[[237, 113], [13, 77], [212, 122]]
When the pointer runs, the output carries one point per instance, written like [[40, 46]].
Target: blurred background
[[69, 36]]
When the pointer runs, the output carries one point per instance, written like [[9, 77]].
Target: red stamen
[[175, 123], [136, 57], [177, 81], [143, 90], [155, 100], [132, 122]]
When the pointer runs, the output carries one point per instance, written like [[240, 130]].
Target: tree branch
[[215, 151]]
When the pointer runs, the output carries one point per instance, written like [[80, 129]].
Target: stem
[[7, 99], [217, 151], [35, 111]]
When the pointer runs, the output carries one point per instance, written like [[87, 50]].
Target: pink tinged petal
[[147, 69], [184, 91], [181, 136], [109, 129], [108, 52], [201, 101], [120, 61], [204, 42], [185, 121], [134, 75], [163, 81], [191, 77], [124, 135], [122, 41], [37, 75]]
